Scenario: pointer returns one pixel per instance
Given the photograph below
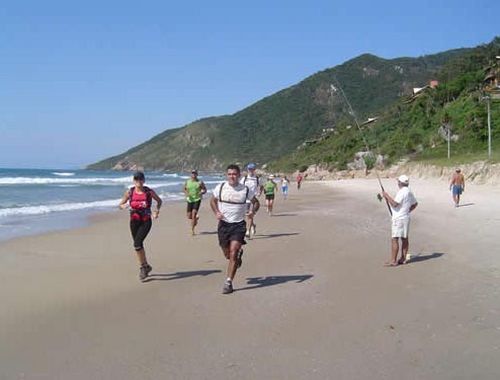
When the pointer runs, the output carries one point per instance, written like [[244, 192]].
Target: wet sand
[[312, 298]]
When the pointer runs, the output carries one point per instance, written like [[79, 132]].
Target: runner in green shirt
[[194, 190], [269, 190]]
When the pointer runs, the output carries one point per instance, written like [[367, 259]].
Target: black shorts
[[231, 232], [139, 229], [193, 206], [269, 197]]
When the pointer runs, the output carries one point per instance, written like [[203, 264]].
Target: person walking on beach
[[269, 190], [140, 199], [194, 189], [402, 205], [229, 204], [300, 177], [284, 187], [252, 181], [457, 186]]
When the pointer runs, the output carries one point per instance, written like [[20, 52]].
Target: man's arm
[[214, 205], [391, 200], [255, 204], [413, 206], [203, 187]]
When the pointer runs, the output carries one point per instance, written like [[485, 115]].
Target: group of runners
[[234, 203]]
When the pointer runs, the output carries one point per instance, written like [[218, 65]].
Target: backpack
[[149, 201], [234, 203]]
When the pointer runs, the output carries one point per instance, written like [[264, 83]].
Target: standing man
[[457, 185], [252, 181], [402, 205], [269, 190], [229, 204], [194, 190]]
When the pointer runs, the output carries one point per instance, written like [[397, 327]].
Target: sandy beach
[[312, 298]]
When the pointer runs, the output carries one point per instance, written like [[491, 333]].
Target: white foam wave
[[63, 174], [79, 181], [45, 209]]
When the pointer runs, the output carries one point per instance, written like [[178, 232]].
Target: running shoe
[[254, 229], [239, 257], [144, 271], [227, 288], [247, 234]]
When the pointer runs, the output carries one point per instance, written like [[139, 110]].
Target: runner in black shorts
[[194, 190], [140, 199], [229, 204]]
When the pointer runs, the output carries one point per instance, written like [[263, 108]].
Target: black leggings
[[139, 230]]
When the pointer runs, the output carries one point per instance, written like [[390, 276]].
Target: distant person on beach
[[457, 186], [300, 178], [402, 205], [269, 191], [284, 186], [229, 204], [252, 180], [194, 190], [140, 199]]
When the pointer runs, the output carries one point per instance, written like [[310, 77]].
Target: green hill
[[415, 128], [276, 125]]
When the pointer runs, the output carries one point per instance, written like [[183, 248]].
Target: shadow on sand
[[180, 275], [283, 214], [421, 257], [207, 233], [466, 204], [271, 236], [262, 282]]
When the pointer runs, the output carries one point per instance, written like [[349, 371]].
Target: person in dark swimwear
[[139, 199]]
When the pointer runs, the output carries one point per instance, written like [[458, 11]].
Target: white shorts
[[401, 228]]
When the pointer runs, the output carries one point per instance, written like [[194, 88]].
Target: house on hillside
[[418, 91], [491, 81]]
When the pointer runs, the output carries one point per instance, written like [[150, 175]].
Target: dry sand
[[313, 299]]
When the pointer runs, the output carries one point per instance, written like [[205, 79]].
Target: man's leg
[[404, 249], [194, 219], [234, 247], [394, 252]]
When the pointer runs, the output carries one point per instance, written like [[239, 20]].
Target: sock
[[228, 280]]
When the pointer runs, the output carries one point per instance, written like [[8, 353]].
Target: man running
[[402, 205], [300, 177], [252, 180], [194, 190], [229, 204], [140, 199], [269, 190], [457, 186]]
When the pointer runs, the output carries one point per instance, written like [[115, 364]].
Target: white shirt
[[233, 212], [406, 199], [252, 182]]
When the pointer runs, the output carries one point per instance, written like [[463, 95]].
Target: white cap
[[404, 179], [271, 176]]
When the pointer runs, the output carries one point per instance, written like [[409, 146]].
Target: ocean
[[39, 200]]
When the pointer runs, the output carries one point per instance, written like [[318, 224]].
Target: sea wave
[[48, 180], [45, 209], [63, 174], [95, 205]]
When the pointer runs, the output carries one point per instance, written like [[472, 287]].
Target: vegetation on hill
[[275, 126], [416, 129]]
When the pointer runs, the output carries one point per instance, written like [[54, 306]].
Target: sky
[[82, 81]]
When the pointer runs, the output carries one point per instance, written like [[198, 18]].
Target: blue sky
[[82, 81]]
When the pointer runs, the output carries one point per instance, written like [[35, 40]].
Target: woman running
[[140, 198], [284, 186]]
